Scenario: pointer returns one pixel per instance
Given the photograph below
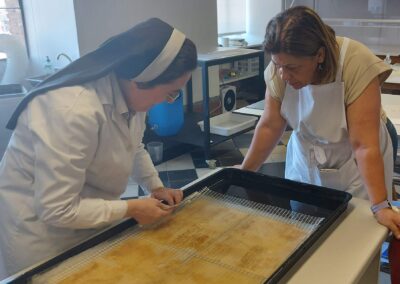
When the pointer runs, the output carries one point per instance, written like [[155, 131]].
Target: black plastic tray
[[314, 200]]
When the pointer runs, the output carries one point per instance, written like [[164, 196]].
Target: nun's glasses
[[171, 98]]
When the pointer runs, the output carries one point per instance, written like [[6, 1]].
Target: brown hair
[[300, 31]]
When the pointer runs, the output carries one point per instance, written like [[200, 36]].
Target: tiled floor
[[180, 171], [184, 169]]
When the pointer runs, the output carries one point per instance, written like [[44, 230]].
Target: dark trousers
[[394, 246]]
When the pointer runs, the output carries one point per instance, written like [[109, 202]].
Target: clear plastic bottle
[[388, 60], [48, 66]]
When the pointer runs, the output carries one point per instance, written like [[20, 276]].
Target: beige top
[[359, 68]]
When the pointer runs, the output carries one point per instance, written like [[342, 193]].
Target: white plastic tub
[[229, 123]]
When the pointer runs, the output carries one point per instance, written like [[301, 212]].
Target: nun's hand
[[147, 210], [391, 219], [169, 195]]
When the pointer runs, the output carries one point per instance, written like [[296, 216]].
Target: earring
[[320, 67]]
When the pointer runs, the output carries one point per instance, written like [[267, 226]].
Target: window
[[376, 23], [11, 20], [231, 17]]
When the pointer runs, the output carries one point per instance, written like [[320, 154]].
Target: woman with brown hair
[[327, 89]]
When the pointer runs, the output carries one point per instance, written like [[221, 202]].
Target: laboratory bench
[[348, 251], [392, 84]]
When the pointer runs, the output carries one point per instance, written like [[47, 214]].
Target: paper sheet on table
[[391, 105], [394, 78], [392, 111]]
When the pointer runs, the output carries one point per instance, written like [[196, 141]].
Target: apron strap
[[343, 50]]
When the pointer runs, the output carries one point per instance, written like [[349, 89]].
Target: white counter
[[394, 77]]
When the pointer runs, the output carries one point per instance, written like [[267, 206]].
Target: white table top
[[344, 252]]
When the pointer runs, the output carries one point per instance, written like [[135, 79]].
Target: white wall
[[259, 13], [51, 30], [231, 17], [97, 20], [77, 27]]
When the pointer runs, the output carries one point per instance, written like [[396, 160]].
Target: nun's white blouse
[[68, 161]]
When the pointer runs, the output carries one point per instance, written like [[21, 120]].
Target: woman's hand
[[171, 196], [147, 210], [390, 219]]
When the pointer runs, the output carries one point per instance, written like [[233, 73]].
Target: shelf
[[192, 134], [229, 123], [225, 54], [364, 23], [241, 77]]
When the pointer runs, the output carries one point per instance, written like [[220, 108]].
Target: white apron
[[319, 150]]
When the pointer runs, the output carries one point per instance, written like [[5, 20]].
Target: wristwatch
[[384, 204]]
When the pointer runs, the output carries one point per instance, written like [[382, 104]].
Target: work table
[[349, 252]]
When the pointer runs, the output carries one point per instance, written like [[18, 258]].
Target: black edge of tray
[[301, 191], [26, 276]]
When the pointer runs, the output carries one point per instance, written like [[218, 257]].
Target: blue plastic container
[[166, 119]]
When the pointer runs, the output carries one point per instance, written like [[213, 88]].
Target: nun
[[78, 138]]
